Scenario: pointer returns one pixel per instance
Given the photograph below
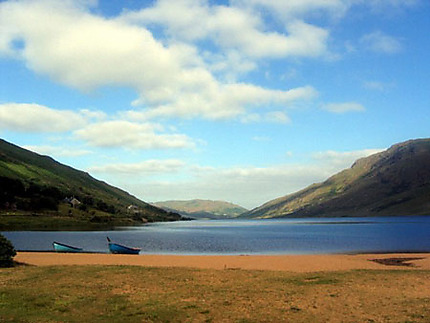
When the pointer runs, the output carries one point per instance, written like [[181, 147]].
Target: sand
[[292, 263]]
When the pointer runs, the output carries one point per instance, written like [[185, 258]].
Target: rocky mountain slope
[[393, 182]]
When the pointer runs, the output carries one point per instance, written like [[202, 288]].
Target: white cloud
[[303, 39], [377, 85], [226, 101], [293, 9], [343, 159], [34, 118], [285, 10], [248, 186], [170, 79], [127, 134], [58, 151], [252, 118], [233, 28], [180, 17], [229, 65], [95, 115], [110, 53], [277, 117], [270, 117], [381, 43], [145, 168], [344, 107], [382, 6]]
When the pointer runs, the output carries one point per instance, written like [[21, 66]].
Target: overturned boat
[[61, 247]]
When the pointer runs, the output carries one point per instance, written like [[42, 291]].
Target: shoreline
[[352, 253], [291, 263]]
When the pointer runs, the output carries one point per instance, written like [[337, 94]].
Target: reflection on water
[[275, 236]]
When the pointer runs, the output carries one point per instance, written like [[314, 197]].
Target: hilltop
[[37, 191], [392, 182], [203, 208]]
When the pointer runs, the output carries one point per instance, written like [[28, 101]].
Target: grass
[[55, 221], [65, 219], [21, 222], [138, 294]]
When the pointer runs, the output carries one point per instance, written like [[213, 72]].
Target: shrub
[[43, 203], [83, 207], [7, 252]]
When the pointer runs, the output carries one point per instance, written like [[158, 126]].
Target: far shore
[[291, 263]]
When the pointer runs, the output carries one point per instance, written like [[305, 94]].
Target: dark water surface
[[276, 236]]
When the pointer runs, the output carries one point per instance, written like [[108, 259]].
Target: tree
[[7, 252], [10, 189]]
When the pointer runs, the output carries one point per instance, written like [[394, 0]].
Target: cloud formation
[[271, 117], [144, 168], [286, 10], [343, 158], [35, 118], [173, 76], [248, 186], [171, 79], [57, 151], [382, 5], [344, 107], [227, 101], [243, 60], [232, 28], [378, 85], [126, 134], [380, 42], [89, 126]]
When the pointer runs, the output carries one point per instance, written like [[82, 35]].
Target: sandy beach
[[86, 287], [292, 263]]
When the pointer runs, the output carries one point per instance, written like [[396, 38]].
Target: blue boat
[[61, 247], [120, 249]]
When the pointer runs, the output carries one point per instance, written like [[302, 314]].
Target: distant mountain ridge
[[34, 183], [392, 182], [203, 208]]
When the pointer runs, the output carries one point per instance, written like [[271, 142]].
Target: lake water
[[276, 236]]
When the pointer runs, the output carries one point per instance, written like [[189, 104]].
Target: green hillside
[[35, 187], [393, 182], [203, 208]]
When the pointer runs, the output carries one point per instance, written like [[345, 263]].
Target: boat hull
[[61, 247], [120, 249]]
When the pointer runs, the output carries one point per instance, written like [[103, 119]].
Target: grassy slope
[[19, 163], [218, 209], [393, 182], [137, 294], [30, 167]]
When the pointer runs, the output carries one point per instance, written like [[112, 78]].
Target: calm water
[[286, 236]]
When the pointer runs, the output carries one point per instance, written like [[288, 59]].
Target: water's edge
[[248, 237]]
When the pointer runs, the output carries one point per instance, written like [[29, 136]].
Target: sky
[[236, 100]]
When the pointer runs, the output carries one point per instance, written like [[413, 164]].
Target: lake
[[233, 237]]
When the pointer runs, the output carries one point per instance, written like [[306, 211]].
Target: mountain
[[32, 184], [392, 182], [203, 208]]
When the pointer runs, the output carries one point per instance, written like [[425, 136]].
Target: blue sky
[[241, 100]]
